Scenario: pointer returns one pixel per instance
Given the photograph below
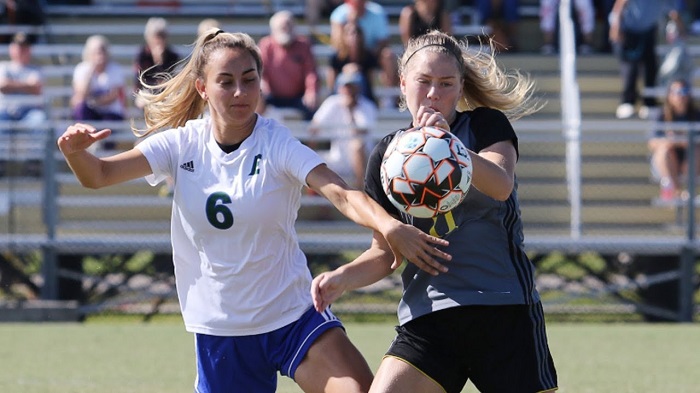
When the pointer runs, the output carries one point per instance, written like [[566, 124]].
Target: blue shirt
[[642, 15], [374, 22]]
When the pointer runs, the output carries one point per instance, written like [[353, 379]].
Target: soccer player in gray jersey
[[480, 318]]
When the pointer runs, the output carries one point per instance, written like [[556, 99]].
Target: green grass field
[[131, 357]]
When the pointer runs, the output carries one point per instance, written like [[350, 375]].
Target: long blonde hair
[[174, 101], [484, 81]]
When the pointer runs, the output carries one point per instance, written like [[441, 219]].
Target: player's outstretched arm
[[95, 172], [368, 268], [405, 241]]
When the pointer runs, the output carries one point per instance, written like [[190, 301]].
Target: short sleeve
[[490, 126], [158, 150]]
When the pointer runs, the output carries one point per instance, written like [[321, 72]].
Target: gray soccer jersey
[[489, 265]]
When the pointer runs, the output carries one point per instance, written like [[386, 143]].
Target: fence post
[[571, 114], [49, 268], [687, 258], [685, 289]]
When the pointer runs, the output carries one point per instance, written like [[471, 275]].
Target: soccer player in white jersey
[[242, 280]]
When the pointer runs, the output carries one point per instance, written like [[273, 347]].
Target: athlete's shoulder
[[484, 113], [273, 129], [484, 120], [192, 130]]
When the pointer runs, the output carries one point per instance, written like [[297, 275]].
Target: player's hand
[[326, 288], [429, 117], [79, 137], [410, 243]]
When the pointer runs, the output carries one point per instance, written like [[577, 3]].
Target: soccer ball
[[426, 171]]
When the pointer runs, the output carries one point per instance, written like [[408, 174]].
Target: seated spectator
[[350, 49], [98, 84], [374, 22], [668, 147], [501, 16], [549, 14], [289, 78], [156, 58], [20, 80], [348, 119], [422, 16]]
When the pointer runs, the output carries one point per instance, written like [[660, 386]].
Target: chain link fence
[[110, 249]]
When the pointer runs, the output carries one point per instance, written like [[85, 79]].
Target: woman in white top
[[348, 118], [242, 280], [98, 84]]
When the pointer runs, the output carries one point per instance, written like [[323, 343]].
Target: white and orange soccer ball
[[426, 171]]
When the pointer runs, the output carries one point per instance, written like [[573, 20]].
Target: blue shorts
[[250, 363]]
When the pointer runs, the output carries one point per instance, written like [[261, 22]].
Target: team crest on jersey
[[255, 169], [188, 166]]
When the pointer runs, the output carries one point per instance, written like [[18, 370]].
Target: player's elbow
[[501, 191], [91, 185]]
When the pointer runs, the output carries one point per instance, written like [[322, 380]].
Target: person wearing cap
[[21, 84], [289, 78], [156, 57], [347, 119]]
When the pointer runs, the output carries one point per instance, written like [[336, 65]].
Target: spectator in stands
[[453, 322], [98, 84], [694, 15], [242, 279], [502, 17], [668, 147], [289, 77], [375, 25], [423, 16], [314, 9], [156, 58], [21, 84], [549, 14], [206, 25], [350, 49], [22, 12], [347, 118], [603, 9], [633, 32]]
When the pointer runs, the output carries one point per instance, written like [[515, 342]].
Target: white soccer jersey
[[238, 266]]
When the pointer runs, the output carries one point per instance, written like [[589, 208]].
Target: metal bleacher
[[617, 189], [53, 212]]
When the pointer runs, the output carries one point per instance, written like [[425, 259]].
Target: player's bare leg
[[334, 364], [395, 375]]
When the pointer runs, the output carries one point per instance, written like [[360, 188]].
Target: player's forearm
[[365, 211], [12, 87], [86, 167], [368, 268]]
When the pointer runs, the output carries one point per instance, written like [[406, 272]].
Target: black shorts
[[500, 349]]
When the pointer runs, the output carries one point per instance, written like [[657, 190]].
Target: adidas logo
[[188, 166]]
